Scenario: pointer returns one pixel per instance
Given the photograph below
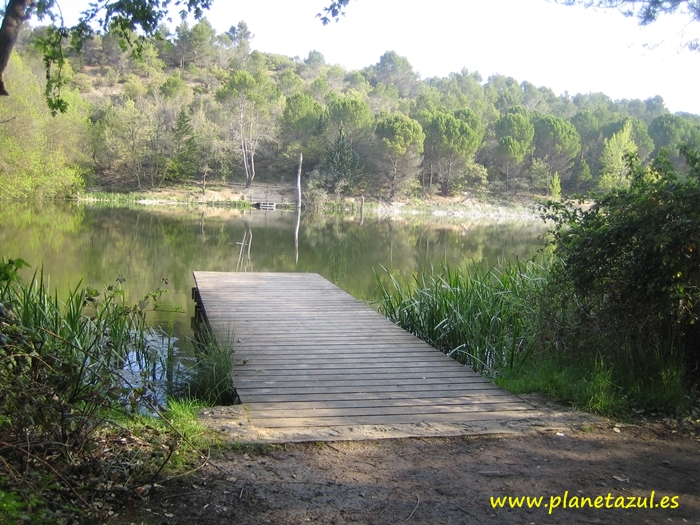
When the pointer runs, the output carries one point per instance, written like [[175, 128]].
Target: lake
[[159, 246]]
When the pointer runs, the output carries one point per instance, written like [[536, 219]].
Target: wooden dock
[[307, 354]]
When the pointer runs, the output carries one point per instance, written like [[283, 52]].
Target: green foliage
[[185, 160], [134, 87], [395, 70], [341, 169], [60, 359], [290, 83], [587, 125], [352, 113], [82, 82], [581, 173], [9, 269], [482, 318], [555, 140], [300, 117], [670, 132], [398, 134], [475, 177], [15, 509], [638, 132], [539, 174], [80, 415], [555, 186], [252, 109], [400, 145], [614, 160], [210, 379], [39, 155], [450, 139], [174, 86], [514, 133], [176, 431], [125, 20], [632, 262], [589, 385], [523, 326], [315, 195]]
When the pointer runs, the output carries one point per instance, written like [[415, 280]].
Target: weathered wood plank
[[475, 398], [309, 354], [346, 375], [400, 410], [389, 397], [385, 387], [462, 417]]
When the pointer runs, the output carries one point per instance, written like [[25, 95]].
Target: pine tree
[[555, 186], [185, 160], [341, 166]]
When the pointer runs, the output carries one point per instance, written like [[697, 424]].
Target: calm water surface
[[150, 246]]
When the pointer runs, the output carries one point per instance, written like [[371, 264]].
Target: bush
[[68, 370], [82, 82], [632, 263]]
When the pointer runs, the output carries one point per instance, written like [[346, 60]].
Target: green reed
[[210, 378], [520, 326], [64, 361], [481, 317]]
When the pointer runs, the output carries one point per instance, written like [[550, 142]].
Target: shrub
[[68, 370], [632, 262]]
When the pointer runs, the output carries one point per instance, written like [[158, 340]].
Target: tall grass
[[209, 380], [522, 327], [78, 383], [67, 358], [481, 317]]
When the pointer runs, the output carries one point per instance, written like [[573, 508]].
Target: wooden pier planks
[[307, 354]]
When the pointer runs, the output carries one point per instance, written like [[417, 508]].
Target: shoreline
[[437, 208]]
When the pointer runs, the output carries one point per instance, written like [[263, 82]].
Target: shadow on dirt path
[[445, 481]]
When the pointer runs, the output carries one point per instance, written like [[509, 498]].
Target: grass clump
[[209, 380], [524, 328], [483, 318], [80, 415]]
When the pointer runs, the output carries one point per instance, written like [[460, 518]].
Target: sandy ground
[[445, 480]]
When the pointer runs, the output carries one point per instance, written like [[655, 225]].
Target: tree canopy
[[120, 17], [647, 11], [195, 104]]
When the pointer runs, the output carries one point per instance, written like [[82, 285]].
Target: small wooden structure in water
[[307, 354], [265, 205]]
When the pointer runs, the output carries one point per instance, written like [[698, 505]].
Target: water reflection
[[149, 246]]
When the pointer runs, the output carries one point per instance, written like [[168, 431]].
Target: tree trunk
[[301, 159], [394, 176], [244, 156], [252, 166], [507, 175], [15, 14]]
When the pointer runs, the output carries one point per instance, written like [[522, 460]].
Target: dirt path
[[444, 481]]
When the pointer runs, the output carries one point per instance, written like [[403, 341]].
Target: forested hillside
[[195, 104]]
